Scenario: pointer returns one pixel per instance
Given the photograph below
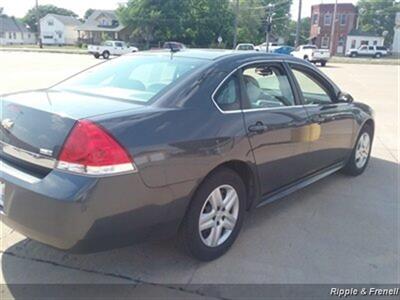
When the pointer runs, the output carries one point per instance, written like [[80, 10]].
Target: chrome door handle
[[258, 128]]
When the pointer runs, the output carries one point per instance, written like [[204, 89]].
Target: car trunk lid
[[35, 125]]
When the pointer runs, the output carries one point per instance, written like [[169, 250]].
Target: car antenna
[[173, 50]]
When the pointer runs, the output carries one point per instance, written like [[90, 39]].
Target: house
[[59, 30], [357, 38], [322, 22], [14, 32], [396, 39], [102, 25]]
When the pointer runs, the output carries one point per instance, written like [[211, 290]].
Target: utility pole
[[235, 24], [332, 45], [38, 25], [270, 13], [297, 42]]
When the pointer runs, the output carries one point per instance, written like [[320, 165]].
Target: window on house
[[327, 19], [353, 43], [10, 35], [342, 39], [50, 22], [325, 42], [14, 36], [59, 35], [365, 43], [315, 19], [29, 35], [343, 20], [1, 35], [375, 43], [48, 37]]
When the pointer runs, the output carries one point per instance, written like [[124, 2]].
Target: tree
[[378, 16], [88, 13], [305, 25], [193, 22], [252, 15], [30, 17]]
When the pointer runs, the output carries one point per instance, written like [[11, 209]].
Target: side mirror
[[344, 98]]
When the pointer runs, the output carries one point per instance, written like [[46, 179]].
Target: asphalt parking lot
[[339, 230]]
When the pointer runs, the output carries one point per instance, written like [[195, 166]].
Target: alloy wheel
[[362, 150], [219, 215]]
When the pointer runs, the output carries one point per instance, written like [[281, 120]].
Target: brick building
[[321, 25]]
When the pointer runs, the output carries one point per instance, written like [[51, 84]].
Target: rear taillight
[[91, 150]]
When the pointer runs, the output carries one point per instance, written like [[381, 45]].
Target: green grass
[[389, 60]]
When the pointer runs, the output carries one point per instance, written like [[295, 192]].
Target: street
[[339, 230]]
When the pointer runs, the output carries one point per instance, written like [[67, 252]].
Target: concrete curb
[[59, 51]]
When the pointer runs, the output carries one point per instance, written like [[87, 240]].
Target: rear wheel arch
[[245, 172], [248, 176]]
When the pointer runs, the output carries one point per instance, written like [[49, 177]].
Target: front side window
[[228, 96], [314, 91], [137, 78], [267, 86]]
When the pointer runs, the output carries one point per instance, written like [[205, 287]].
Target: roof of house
[[91, 24], [356, 32], [66, 20], [10, 24]]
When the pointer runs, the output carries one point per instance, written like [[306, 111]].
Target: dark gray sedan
[[153, 144]]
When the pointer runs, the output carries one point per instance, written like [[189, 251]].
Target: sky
[[18, 8]]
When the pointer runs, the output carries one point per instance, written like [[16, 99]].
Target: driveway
[[339, 230]]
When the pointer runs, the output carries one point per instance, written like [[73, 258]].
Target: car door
[[331, 123], [118, 48], [275, 124], [363, 51]]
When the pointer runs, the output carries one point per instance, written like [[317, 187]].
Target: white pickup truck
[[109, 48], [312, 54]]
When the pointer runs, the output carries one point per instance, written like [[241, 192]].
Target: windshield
[[135, 77]]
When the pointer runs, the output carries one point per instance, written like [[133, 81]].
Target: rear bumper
[[319, 59], [86, 214]]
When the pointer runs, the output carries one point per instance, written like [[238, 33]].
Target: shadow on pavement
[[356, 213]]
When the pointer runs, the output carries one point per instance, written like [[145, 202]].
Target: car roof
[[215, 54]]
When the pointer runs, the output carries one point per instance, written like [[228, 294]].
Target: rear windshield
[[137, 78]]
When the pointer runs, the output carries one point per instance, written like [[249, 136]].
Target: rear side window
[[267, 86], [381, 48], [228, 95]]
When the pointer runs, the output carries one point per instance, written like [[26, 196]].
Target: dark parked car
[[284, 50], [151, 144]]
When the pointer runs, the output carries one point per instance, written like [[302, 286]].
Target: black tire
[[190, 235], [97, 55], [106, 55], [353, 54], [323, 63], [378, 55], [351, 167]]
